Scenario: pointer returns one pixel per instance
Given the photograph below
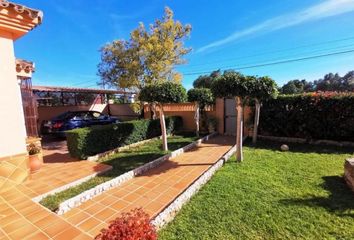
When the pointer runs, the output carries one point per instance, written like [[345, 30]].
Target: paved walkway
[[21, 218], [152, 191]]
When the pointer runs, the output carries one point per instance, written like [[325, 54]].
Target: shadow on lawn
[[300, 147], [340, 200], [127, 161]]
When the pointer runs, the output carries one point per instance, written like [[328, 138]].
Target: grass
[[298, 194], [121, 162]]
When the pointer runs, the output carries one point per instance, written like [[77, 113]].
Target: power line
[[279, 62], [276, 51], [319, 51]]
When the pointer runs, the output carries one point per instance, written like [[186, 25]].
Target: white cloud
[[327, 8]]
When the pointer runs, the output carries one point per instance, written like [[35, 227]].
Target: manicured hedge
[[86, 142], [312, 116]]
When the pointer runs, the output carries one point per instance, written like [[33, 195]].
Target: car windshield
[[65, 116]]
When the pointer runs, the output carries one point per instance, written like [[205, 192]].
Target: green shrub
[[167, 92], [86, 142], [311, 116], [203, 96]]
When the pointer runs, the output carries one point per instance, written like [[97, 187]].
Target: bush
[[203, 96], [167, 92], [311, 116], [86, 142], [132, 225]]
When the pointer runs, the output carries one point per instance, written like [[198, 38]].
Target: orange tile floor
[[21, 218]]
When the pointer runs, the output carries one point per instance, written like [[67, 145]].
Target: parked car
[[78, 119]]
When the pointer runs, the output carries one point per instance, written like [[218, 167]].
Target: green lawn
[[298, 194], [121, 162]]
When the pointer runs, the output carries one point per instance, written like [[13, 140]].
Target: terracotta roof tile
[[21, 9]]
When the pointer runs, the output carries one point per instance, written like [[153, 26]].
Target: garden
[[298, 194]]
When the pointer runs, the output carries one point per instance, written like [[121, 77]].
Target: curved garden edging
[[99, 189]]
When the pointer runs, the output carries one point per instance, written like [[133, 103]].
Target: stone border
[[171, 210], [303, 140], [99, 189], [108, 153], [70, 185]]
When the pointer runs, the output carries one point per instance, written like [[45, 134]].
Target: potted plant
[[35, 157]]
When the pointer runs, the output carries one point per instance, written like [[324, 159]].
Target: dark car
[[78, 119]]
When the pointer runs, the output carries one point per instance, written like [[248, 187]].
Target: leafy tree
[[261, 89], [201, 97], [148, 57], [348, 81], [205, 81], [296, 87], [234, 85], [330, 82], [160, 94]]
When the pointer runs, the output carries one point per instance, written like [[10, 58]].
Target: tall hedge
[[86, 142], [311, 116]]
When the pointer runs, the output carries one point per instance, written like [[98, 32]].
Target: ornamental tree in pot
[[35, 157], [262, 88], [201, 97], [234, 85], [160, 94]]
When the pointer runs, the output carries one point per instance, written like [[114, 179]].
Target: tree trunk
[[239, 129], [256, 121], [163, 129], [196, 118], [153, 109]]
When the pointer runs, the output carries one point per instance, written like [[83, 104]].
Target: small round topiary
[[230, 84], [203, 96], [167, 92]]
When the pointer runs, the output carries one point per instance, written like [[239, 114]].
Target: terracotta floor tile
[[108, 200], [68, 234], [82, 237], [131, 197], [37, 236], [47, 221], [9, 217], [89, 224], [36, 216], [95, 231], [105, 215], [13, 226], [23, 232], [118, 205], [95, 208], [72, 212], [56, 228], [78, 218]]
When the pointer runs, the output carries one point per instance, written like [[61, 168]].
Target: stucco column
[[13, 154], [12, 127]]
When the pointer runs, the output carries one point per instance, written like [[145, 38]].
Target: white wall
[[12, 124]]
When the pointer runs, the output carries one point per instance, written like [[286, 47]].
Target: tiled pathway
[[152, 191], [21, 218]]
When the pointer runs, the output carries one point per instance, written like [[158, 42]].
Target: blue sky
[[226, 34]]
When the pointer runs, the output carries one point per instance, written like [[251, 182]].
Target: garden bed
[[121, 162], [300, 194]]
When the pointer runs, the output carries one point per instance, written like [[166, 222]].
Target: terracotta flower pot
[[35, 162]]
